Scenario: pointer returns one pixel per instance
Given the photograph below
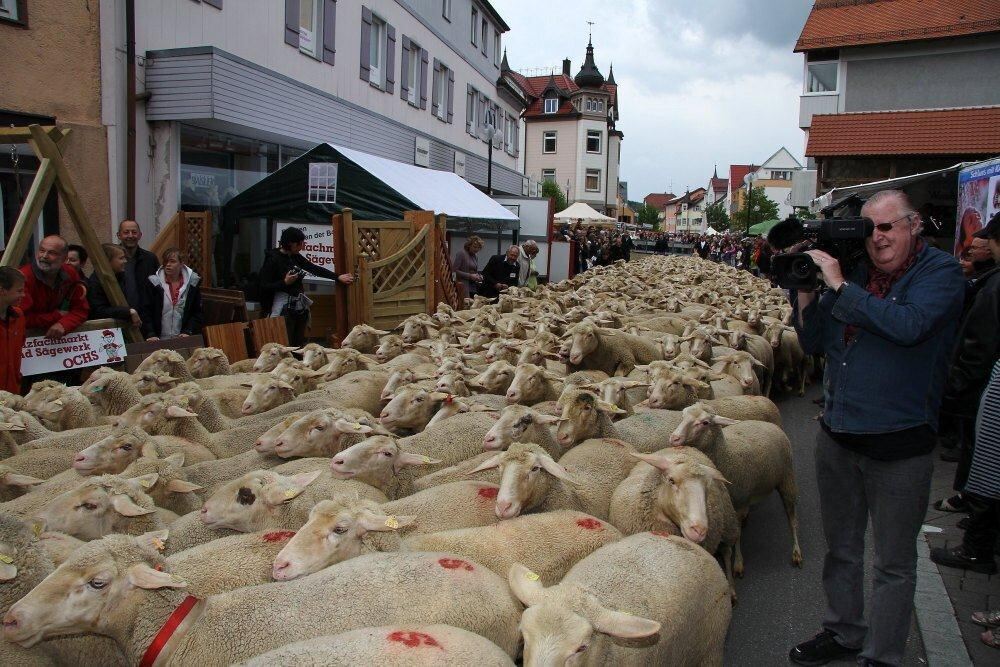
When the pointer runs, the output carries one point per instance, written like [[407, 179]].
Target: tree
[[761, 208], [551, 189], [648, 216], [803, 213], [717, 217]]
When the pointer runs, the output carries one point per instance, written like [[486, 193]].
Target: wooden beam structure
[[53, 171]]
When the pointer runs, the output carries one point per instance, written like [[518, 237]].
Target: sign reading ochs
[[74, 350], [318, 247]]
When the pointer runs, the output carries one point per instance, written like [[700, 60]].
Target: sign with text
[[319, 245], [74, 350], [978, 200]]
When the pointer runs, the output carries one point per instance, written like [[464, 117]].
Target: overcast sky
[[701, 82]]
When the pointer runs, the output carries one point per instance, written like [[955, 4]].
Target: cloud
[[716, 86]]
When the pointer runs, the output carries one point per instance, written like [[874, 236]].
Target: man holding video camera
[[886, 328]]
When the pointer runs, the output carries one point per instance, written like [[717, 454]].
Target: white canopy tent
[[580, 211], [710, 232]]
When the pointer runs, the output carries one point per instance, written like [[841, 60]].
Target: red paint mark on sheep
[[589, 524], [279, 536], [455, 564], [488, 492], [660, 533], [413, 639]]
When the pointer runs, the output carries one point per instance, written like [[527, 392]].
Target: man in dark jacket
[[100, 304], [141, 265], [977, 349], [500, 273]]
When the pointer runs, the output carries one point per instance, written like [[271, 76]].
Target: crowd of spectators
[[737, 250], [596, 246]]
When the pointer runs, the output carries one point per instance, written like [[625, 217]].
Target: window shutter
[[435, 82], [404, 69], [469, 115], [329, 30], [451, 95], [390, 58], [423, 79], [483, 107], [366, 43], [215, 3], [292, 22]]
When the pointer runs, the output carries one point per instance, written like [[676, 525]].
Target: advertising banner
[[978, 200], [319, 245], [74, 350]]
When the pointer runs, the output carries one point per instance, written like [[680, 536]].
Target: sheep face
[[362, 338], [410, 408], [452, 384], [773, 335], [740, 366], [501, 349], [333, 534], [682, 495], [581, 415], [88, 589], [245, 504], [314, 356], [267, 394], [397, 379], [559, 623], [614, 391], [114, 453], [343, 362], [511, 425], [154, 382], [391, 347], [697, 425], [207, 361], [478, 340], [526, 472], [673, 391], [496, 378], [585, 340], [318, 433], [529, 385], [452, 365], [265, 443], [97, 507], [375, 458], [270, 355], [414, 331]]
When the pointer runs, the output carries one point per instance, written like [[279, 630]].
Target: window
[[593, 183], [310, 27], [508, 134], [13, 11], [376, 54], [549, 175], [821, 77], [322, 182], [440, 106], [413, 80], [593, 141], [446, 10], [549, 142], [471, 111], [496, 48], [486, 32], [475, 26], [781, 175], [551, 104]]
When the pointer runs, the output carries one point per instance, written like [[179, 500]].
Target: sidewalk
[[966, 591]]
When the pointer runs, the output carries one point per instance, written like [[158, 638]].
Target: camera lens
[[801, 268]]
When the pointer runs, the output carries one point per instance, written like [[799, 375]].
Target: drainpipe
[[607, 171], [130, 109]]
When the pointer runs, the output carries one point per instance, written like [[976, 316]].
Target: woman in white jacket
[[175, 306]]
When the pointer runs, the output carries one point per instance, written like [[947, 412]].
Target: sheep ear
[[7, 426], [539, 418], [246, 384], [155, 539], [174, 460], [525, 585], [724, 421], [384, 523], [604, 406], [127, 507], [624, 626], [146, 482], [181, 486], [177, 412], [287, 488], [165, 379], [143, 576], [659, 462], [488, 464], [410, 459], [20, 481], [438, 395], [148, 450], [7, 571], [557, 470], [714, 473], [346, 426]]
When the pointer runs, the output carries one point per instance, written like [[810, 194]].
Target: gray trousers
[[894, 495]]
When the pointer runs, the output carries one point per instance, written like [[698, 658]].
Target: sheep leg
[[726, 553], [789, 492], [741, 517]]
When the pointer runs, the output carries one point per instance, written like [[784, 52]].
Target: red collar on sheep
[[167, 631]]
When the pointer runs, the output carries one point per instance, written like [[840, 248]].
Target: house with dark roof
[[570, 133], [898, 87]]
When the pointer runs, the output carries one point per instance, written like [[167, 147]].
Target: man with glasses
[[886, 329]]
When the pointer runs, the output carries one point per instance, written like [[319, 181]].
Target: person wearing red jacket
[[55, 297], [11, 328]]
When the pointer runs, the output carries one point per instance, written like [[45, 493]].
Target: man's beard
[[46, 266]]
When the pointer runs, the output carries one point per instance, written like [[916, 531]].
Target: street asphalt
[[780, 605]]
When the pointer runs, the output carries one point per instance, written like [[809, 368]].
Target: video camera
[[843, 238]]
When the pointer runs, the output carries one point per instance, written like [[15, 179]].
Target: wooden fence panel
[[268, 330], [230, 338]]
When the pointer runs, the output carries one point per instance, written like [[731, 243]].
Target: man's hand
[[136, 320], [346, 278], [291, 276], [830, 267], [476, 277], [182, 335], [56, 331], [152, 339]]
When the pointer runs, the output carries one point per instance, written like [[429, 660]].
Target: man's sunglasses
[[887, 226]]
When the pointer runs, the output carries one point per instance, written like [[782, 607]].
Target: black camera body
[[842, 238]]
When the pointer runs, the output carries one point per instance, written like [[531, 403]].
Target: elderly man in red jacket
[[55, 297]]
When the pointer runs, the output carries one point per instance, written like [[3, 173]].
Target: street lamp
[[491, 131], [748, 180]]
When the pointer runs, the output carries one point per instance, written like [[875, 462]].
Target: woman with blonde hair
[[466, 265]]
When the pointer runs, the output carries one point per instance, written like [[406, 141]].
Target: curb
[[942, 639]]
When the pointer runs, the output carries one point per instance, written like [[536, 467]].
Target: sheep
[[363, 338], [608, 350], [62, 408], [741, 365], [229, 562], [28, 433], [39, 463], [165, 481], [12, 401], [496, 378], [452, 384], [314, 355], [344, 361], [756, 458], [410, 409], [680, 491], [269, 356], [789, 359], [113, 453], [389, 348], [615, 391], [361, 389], [153, 382], [113, 392], [166, 362], [761, 350], [534, 384], [383, 464], [99, 506], [424, 645], [402, 377], [14, 484], [583, 416], [323, 433], [206, 362], [417, 327], [237, 625], [503, 349], [685, 616], [675, 392]]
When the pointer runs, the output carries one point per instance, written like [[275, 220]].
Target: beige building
[[570, 136], [51, 59]]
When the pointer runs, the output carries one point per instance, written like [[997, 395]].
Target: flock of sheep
[[559, 477]]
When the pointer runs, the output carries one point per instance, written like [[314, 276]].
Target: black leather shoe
[[964, 523], [868, 662], [963, 559], [820, 650]]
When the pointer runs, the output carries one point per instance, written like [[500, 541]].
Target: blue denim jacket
[[891, 376]]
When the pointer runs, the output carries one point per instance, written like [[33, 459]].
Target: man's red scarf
[[880, 282]]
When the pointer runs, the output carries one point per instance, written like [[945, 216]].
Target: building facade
[[570, 135]]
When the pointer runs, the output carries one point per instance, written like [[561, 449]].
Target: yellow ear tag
[[145, 483], [530, 576], [36, 528], [290, 493], [158, 543], [392, 522], [357, 427], [425, 459], [4, 558]]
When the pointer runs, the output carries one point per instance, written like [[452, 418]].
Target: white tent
[[710, 232], [580, 211]]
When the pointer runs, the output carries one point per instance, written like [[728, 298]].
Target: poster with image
[[318, 247], [978, 200]]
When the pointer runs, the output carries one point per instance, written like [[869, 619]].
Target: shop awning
[[374, 188]]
